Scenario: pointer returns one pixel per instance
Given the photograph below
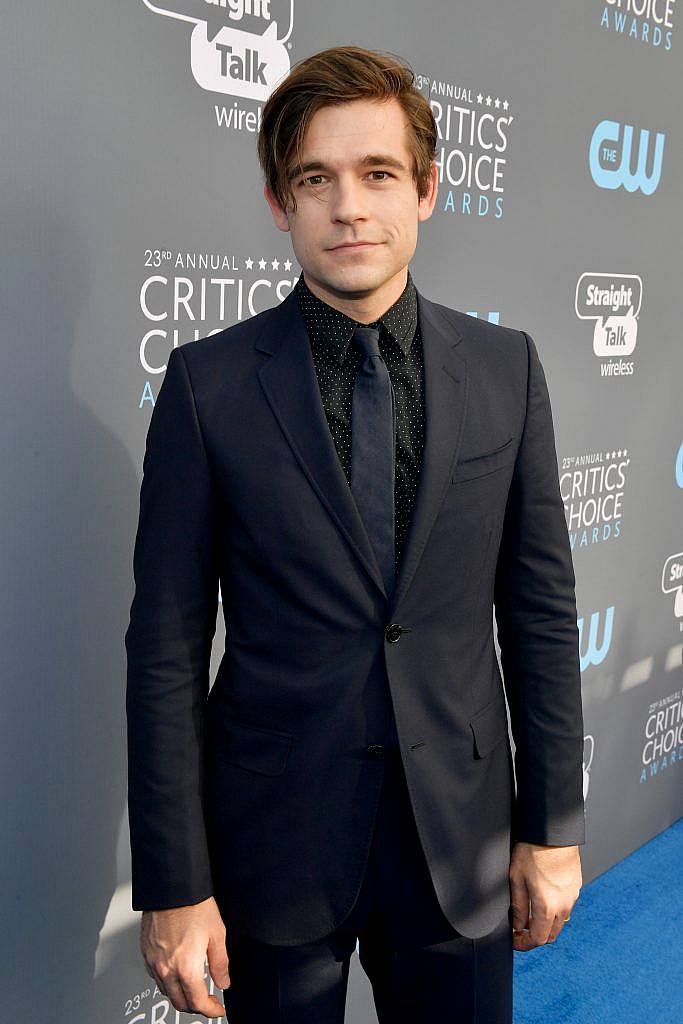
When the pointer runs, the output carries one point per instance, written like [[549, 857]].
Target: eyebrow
[[370, 159]]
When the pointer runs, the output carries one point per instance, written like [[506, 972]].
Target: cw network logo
[[588, 751], [678, 468], [232, 60], [591, 650], [611, 158]]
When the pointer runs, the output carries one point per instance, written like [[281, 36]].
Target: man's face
[[357, 186]]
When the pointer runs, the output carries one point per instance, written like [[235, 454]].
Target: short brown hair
[[339, 75]]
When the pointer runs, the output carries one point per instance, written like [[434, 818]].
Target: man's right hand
[[175, 943]]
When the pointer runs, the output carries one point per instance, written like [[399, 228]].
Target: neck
[[365, 307]]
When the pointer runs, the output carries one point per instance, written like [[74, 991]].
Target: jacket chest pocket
[[469, 467]]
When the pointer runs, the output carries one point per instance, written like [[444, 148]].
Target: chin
[[357, 278], [356, 285]]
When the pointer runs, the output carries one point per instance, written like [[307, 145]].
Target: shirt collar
[[335, 329]]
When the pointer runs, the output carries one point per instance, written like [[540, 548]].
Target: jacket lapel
[[445, 398], [290, 385]]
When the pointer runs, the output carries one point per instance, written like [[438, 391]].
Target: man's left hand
[[548, 878]]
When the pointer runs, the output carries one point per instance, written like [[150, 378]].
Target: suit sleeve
[[168, 645], [535, 607]]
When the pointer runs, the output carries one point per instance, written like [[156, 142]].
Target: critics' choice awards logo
[[672, 583], [472, 143], [646, 21], [612, 302], [245, 61], [592, 486], [663, 746], [185, 296], [616, 149]]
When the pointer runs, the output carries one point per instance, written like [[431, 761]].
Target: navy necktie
[[373, 450]]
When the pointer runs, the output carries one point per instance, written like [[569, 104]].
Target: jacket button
[[375, 750], [393, 632]]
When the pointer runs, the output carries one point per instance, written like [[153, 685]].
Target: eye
[[313, 180]]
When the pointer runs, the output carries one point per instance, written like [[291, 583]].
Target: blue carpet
[[620, 958]]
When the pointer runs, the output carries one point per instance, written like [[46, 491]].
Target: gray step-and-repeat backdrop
[[133, 221]]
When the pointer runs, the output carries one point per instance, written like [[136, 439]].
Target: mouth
[[353, 246]]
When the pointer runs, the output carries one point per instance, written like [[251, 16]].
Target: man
[[365, 472]]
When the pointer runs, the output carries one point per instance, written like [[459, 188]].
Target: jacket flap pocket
[[489, 726], [252, 746], [470, 466]]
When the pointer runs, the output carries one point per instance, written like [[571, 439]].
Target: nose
[[348, 201]]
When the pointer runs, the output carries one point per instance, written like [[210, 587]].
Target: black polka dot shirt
[[336, 363]]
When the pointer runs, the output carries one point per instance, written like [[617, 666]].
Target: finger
[[198, 999], [174, 992], [217, 956], [541, 923], [210, 1007], [520, 942], [158, 980], [519, 900], [558, 924], [525, 940]]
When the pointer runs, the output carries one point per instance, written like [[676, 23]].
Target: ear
[[279, 216], [426, 204]]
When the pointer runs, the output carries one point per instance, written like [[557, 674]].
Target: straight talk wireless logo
[[232, 53], [612, 302]]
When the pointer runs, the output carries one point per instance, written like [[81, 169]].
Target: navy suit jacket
[[258, 789]]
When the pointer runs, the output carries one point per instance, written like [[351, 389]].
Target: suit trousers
[[420, 968]]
